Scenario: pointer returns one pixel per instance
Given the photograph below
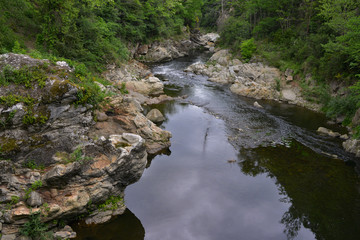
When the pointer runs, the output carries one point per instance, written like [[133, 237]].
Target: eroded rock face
[[84, 162], [46, 119], [77, 187], [165, 51]]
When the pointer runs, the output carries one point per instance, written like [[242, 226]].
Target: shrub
[[35, 228], [248, 48]]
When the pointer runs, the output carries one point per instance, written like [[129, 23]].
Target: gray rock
[[289, 72], [155, 116], [23, 238], [356, 119], [353, 146], [327, 132], [288, 95], [8, 237], [344, 137], [64, 235], [256, 104], [0, 226], [35, 199], [101, 116]]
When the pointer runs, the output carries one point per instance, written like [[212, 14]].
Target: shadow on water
[[323, 192], [124, 227]]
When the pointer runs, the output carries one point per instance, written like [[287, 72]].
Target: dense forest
[[317, 38]]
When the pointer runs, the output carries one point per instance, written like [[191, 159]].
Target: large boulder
[[155, 116], [151, 86]]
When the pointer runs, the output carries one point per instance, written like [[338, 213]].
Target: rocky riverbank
[[259, 81], [60, 158], [255, 80]]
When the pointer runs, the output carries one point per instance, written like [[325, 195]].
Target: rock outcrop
[[171, 49], [76, 187], [59, 157]]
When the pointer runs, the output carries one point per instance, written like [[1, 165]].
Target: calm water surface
[[238, 172]]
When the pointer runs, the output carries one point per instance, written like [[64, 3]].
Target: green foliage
[[36, 185], [32, 165], [123, 89], [18, 49], [248, 48], [12, 99], [35, 228], [76, 156], [112, 203], [235, 31], [26, 76]]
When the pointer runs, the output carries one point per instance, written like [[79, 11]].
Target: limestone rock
[[155, 116], [288, 95], [328, 132], [8, 237], [356, 119], [65, 233], [256, 104], [209, 37], [35, 199], [150, 86], [353, 146]]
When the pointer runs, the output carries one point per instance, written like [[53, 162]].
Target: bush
[[248, 48], [35, 228]]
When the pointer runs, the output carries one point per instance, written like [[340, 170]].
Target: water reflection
[[124, 227], [323, 192]]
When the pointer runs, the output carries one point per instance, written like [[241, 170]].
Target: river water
[[238, 172]]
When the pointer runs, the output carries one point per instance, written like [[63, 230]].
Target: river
[[235, 171]]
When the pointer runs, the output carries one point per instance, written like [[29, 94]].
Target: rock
[[289, 72], [356, 119], [143, 49], [0, 226], [66, 233], [101, 86], [8, 237], [289, 79], [101, 116], [209, 37], [328, 132], [288, 95], [222, 57], [344, 137], [151, 86], [157, 54], [35, 199], [23, 238], [155, 116], [352, 146], [256, 104], [340, 119]]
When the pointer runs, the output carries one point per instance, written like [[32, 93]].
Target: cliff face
[[59, 156]]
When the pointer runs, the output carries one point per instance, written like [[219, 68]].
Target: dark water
[[238, 172]]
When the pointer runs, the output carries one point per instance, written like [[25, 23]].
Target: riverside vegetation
[[67, 104]]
